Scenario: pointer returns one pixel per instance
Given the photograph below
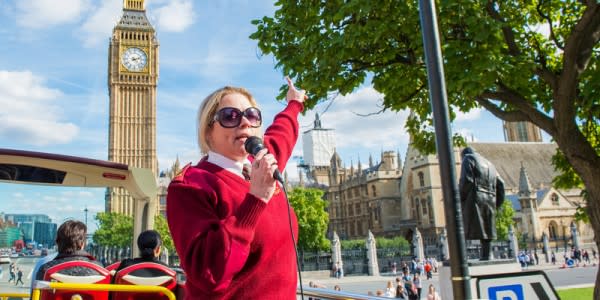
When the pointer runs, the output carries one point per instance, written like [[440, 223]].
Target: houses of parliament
[[393, 197], [389, 196]]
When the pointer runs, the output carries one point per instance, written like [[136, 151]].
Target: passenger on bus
[[148, 243], [70, 240]]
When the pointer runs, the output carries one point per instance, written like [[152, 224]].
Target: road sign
[[515, 286]]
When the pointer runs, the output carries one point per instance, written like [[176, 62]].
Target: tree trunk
[[594, 214], [587, 165]]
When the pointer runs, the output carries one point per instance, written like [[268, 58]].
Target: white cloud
[[176, 16], [97, 28], [473, 114], [44, 13], [29, 113], [358, 136]]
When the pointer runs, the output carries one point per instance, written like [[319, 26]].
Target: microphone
[[254, 144]]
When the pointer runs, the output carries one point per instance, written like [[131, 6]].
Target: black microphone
[[254, 144]]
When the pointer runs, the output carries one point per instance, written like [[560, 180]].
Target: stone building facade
[[390, 198]]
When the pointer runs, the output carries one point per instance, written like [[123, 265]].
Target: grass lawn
[[576, 294]]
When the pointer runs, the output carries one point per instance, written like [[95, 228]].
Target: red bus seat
[[112, 268], [146, 273], [54, 274]]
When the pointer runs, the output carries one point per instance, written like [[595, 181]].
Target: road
[[26, 264], [560, 278]]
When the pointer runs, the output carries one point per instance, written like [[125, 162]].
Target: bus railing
[[47, 285], [4, 296], [327, 294]]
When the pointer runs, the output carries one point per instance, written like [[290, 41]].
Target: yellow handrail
[[46, 285], [4, 296]]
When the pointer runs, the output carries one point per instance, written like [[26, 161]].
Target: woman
[[232, 235], [432, 294], [390, 290], [148, 243]]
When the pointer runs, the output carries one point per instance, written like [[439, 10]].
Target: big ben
[[132, 81]]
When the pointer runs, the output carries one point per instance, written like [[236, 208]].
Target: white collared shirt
[[232, 166]]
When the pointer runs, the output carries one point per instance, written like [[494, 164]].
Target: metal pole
[[459, 268], [86, 211]]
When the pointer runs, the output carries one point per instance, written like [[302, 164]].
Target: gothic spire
[[525, 189]]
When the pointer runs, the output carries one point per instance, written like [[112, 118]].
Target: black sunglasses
[[230, 117]]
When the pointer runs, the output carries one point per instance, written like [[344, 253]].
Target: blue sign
[[506, 292]]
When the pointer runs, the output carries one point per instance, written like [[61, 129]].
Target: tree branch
[[509, 36], [578, 51], [549, 20], [509, 116], [510, 97]]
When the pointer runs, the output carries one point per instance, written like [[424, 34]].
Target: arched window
[[421, 179], [554, 198], [417, 209], [552, 230]]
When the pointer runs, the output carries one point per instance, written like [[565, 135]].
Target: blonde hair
[[208, 109]]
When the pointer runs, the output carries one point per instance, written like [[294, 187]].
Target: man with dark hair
[[70, 239], [481, 193]]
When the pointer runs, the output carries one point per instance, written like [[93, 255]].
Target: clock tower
[[132, 80]]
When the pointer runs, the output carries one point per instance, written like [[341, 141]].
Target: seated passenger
[[148, 243], [70, 240]]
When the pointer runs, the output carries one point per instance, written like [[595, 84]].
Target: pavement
[[361, 284]]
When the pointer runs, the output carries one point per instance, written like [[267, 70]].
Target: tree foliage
[[398, 242], [353, 244], [116, 230], [521, 60], [504, 219], [313, 220], [160, 225]]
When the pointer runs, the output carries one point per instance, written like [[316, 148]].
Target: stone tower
[[521, 132], [132, 81]]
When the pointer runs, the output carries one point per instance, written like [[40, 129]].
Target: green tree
[[114, 230], [504, 219], [310, 207], [521, 60], [353, 244], [160, 225]]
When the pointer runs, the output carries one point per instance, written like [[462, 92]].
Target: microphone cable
[[293, 239]]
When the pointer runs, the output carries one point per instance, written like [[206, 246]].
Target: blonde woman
[[432, 294], [231, 230]]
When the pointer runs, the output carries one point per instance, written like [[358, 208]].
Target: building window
[[350, 210], [421, 179], [357, 208], [374, 191], [430, 203], [554, 198], [424, 206], [417, 209], [552, 228]]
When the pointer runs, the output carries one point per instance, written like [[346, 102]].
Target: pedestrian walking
[[11, 271], [19, 277]]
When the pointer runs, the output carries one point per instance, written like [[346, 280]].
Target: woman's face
[[229, 142]]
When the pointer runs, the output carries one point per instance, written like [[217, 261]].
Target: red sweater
[[231, 244]]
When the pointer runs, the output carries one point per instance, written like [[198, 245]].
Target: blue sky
[[54, 95]]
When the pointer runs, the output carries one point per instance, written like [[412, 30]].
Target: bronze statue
[[481, 194]]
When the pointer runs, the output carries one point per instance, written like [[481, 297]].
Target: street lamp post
[[86, 212]]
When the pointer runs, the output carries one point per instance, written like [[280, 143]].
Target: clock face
[[134, 59]]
